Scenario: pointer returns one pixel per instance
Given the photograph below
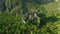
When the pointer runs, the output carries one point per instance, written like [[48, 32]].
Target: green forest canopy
[[29, 17]]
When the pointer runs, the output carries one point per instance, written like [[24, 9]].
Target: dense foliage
[[29, 17]]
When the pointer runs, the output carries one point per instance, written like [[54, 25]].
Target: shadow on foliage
[[44, 20], [24, 8], [39, 2], [2, 5], [52, 19], [11, 5]]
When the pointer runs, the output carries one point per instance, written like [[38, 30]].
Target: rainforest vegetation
[[29, 17]]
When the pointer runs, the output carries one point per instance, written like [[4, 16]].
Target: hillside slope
[[29, 17]]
